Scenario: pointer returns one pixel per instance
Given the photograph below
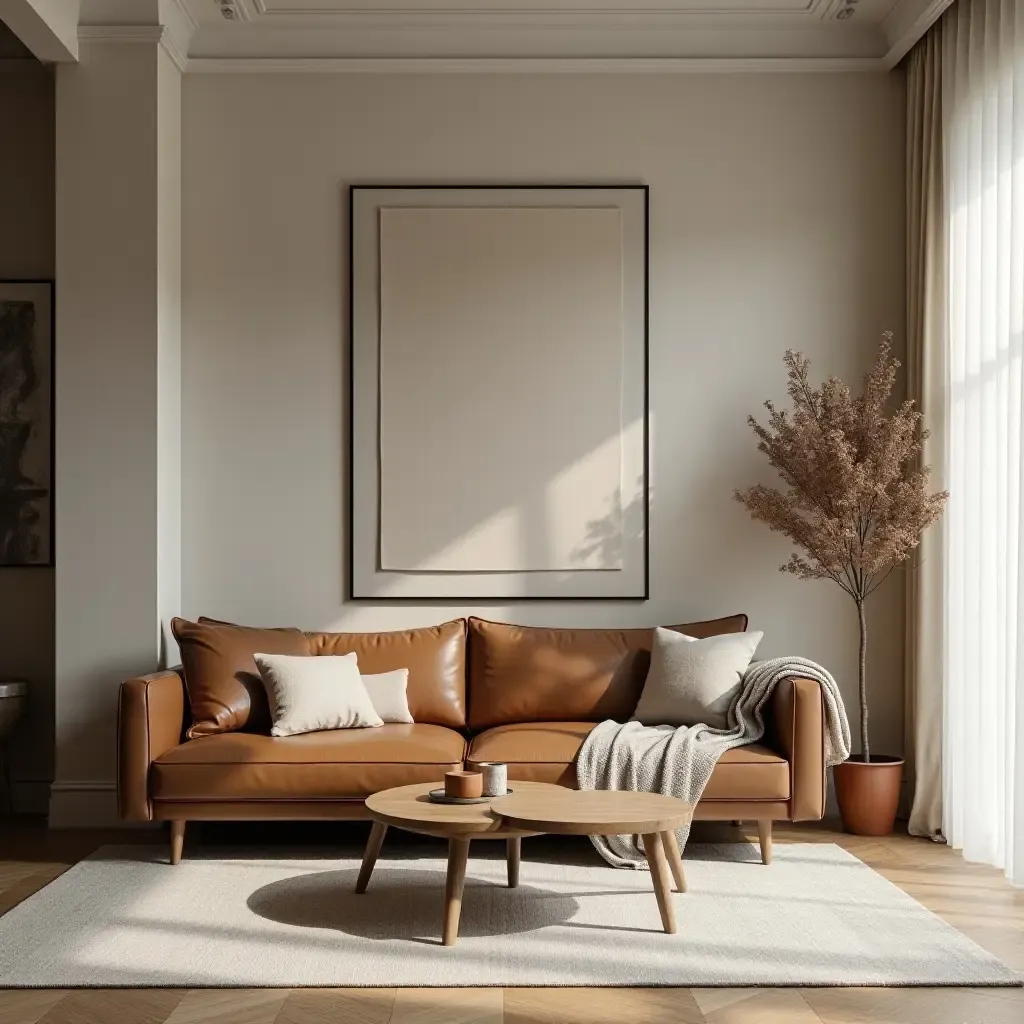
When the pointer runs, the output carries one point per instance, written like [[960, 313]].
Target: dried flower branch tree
[[856, 499]]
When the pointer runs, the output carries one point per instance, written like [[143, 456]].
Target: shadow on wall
[[608, 538]]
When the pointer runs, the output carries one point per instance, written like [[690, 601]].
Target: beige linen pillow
[[693, 682], [311, 693], [389, 694]]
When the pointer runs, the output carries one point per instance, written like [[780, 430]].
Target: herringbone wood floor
[[974, 899]]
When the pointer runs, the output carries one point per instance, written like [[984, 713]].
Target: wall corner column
[[118, 385]]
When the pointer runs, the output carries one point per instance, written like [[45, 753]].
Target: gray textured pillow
[[694, 681]]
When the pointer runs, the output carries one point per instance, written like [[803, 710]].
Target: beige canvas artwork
[[501, 384]]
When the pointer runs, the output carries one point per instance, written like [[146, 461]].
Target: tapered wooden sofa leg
[[177, 840], [764, 835]]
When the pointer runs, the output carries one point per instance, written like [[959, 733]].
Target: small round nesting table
[[533, 808]]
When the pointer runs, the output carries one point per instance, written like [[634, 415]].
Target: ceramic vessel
[[868, 793], [464, 785], [495, 775]]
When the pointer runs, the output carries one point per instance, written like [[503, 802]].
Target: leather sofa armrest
[[798, 713], [150, 718]]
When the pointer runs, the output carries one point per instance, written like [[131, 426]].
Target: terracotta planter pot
[[868, 793]]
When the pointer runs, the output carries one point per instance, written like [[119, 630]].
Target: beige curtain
[[926, 376]]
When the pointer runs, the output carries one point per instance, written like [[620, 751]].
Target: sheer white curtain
[[983, 170]]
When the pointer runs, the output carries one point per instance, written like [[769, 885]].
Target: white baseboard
[[78, 804]]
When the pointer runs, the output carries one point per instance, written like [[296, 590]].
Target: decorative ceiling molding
[[845, 10], [231, 10], [532, 65], [537, 9], [167, 22], [907, 22], [454, 39], [151, 34], [497, 36], [121, 33]]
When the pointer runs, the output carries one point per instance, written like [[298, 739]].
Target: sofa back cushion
[[435, 657], [539, 674], [225, 692]]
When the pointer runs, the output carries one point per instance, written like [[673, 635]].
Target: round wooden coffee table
[[409, 808], [532, 808], [571, 812]]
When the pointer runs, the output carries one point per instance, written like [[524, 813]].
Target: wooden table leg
[[458, 854], [373, 845], [654, 849], [675, 860], [514, 852], [177, 840]]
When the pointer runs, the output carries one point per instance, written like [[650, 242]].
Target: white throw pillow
[[389, 693], [307, 694], [693, 682]]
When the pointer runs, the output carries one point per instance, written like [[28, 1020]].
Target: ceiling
[[816, 33], [487, 35], [850, 33]]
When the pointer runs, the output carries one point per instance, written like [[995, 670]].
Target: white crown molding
[[120, 33], [173, 49], [135, 34], [906, 23], [180, 26], [536, 12], [530, 65], [657, 39]]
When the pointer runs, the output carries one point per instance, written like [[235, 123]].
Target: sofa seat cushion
[[546, 752], [533, 751], [750, 772], [346, 764]]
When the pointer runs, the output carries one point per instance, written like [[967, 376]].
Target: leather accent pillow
[[694, 682], [539, 674], [225, 692], [315, 694], [435, 657]]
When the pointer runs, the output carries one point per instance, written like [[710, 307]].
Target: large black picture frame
[[363, 581], [27, 423]]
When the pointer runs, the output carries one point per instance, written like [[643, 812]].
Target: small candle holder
[[495, 777], [463, 785]]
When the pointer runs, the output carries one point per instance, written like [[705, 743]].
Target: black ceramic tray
[[438, 796]]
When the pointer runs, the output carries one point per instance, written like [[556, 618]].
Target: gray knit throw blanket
[[679, 761]]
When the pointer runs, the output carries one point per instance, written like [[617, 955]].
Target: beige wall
[[27, 250], [776, 222]]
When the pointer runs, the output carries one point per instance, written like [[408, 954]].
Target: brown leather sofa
[[478, 691]]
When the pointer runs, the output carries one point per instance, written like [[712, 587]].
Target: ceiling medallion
[[847, 10], [228, 9]]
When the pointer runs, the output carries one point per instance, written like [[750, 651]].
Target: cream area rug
[[816, 916]]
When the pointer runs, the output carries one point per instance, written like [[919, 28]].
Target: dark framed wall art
[[26, 423], [499, 403]]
